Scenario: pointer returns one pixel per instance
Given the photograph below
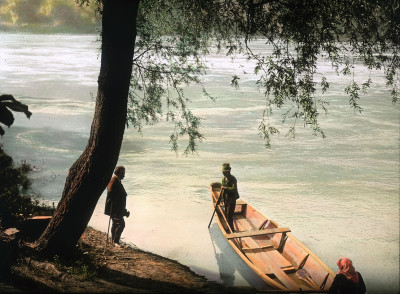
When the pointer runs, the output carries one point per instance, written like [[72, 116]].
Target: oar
[[215, 209], [302, 274]]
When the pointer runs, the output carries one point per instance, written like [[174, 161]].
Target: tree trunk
[[90, 174]]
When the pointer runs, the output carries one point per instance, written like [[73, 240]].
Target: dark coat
[[231, 190], [343, 285], [116, 198]]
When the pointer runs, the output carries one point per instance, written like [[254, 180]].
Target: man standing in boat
[[116, 204], [230, 193]]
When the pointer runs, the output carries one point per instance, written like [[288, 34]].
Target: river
[[339, 195]]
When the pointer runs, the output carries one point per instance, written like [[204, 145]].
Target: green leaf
[[6, 117]]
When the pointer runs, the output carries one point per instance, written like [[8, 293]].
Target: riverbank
[[100, 268]]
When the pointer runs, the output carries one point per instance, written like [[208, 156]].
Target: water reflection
[[226, 270], [229, 263]]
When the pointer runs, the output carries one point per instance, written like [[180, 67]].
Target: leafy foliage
[[301, 34], [53, 14], [175, 36], [8, 103], [15, 201], [14, 182]]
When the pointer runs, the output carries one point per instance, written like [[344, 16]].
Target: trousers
[[230, 205], [118, 225]]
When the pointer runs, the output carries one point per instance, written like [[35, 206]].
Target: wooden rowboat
[[271, 251]]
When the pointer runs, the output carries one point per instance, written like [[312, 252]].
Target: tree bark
[[90, 174]]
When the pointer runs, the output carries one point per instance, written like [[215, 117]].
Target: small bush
[[15, 201]]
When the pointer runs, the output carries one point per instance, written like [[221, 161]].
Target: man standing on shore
[[229, 186], [116, 204]]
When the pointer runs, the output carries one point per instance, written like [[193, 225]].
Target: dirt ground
[[98, 268]]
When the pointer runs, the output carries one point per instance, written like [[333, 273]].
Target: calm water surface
[[339, 195]]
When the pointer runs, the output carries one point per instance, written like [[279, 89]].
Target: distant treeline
[[48, 16]]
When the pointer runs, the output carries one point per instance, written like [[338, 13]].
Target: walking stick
[[109, 221], [215, 209]]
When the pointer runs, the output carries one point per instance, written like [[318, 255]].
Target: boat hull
[[270, 250]]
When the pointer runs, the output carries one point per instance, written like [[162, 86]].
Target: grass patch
[[79, 265]]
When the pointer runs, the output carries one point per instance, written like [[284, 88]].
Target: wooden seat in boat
[[269, 261], [257, 233]]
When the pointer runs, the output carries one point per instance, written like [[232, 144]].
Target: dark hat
[[226, 167]]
